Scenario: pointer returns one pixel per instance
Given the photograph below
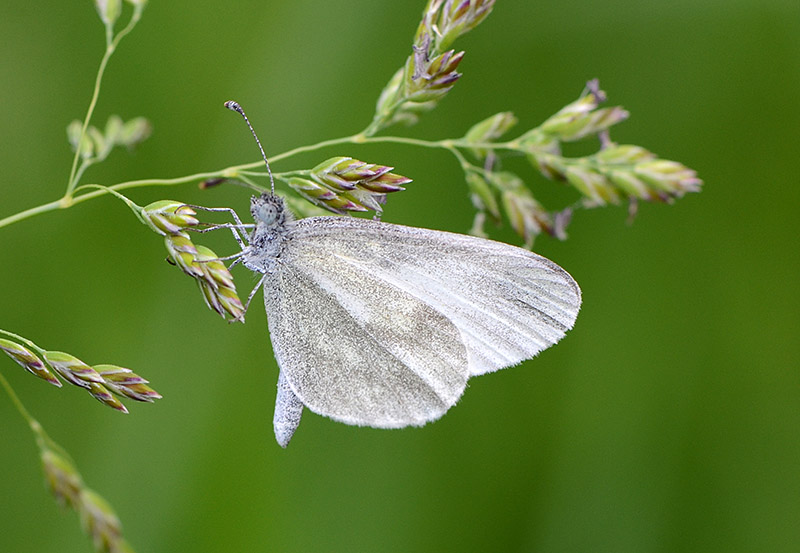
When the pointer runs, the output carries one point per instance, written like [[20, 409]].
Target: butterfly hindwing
[[359, 350]]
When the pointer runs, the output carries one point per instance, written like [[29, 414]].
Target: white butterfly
[[381, 325]]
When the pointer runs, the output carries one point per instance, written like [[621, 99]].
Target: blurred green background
[[667, 420]]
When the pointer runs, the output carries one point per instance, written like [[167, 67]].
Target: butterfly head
[[269, 210]]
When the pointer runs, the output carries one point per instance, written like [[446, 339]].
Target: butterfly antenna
[[234, 106]]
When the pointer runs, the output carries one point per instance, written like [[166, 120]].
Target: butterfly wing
[[356, 349], [381, 325], [508, 303]]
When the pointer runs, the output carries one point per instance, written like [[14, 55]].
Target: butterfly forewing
[[507, 303]]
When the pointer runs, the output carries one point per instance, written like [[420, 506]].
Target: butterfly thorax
[[273, 221]]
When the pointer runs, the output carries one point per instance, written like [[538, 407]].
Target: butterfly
[[377, 324], [381, 325]]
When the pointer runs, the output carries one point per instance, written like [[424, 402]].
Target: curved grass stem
[[17, 402], [111, 46], [70, 199]]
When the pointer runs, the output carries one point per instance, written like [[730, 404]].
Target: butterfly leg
[[252, 293], [236, 256], [238, 234]]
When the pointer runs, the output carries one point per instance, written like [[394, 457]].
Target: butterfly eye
[[265, 214], [267, 210]]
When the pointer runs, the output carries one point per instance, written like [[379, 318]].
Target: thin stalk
[[111, 46], [60, 204], [17, 403], [42, 439], [232, 171], [22, 339], [97, 81]]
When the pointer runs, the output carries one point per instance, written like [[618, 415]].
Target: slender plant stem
[[21, 339], [67, 201], [16, 401], [22, 215], [111, 46], [98, 80], [355, 139], [43, 440], [85, 164], [460, 157], [62, 204]]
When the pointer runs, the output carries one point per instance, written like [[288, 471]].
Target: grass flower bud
[[324, 197], [29, 361], [169, 217], [124, 382], [182, 251], [72, 369]]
